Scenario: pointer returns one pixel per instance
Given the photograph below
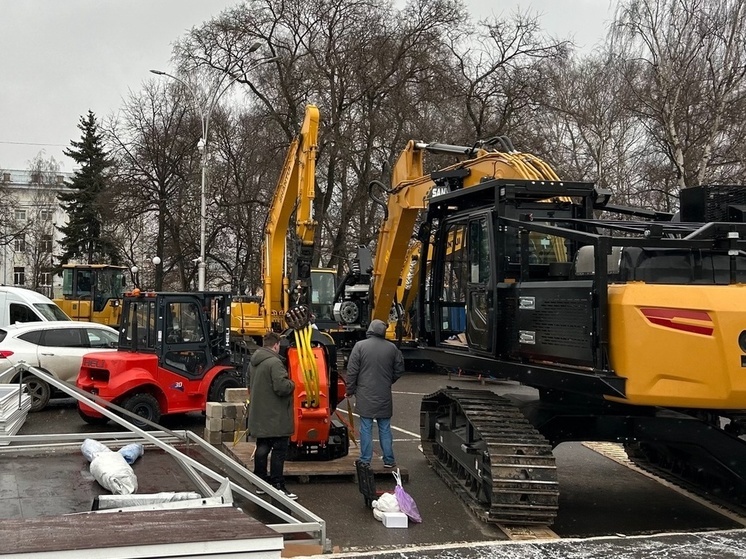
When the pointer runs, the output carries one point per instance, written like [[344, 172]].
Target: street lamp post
[[205, 110]]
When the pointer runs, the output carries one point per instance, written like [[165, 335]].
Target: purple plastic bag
[[406, 502]]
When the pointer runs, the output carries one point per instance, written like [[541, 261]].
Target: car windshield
[[50, 311]]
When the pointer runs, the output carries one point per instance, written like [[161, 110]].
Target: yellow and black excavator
[[93, 292], [630, 328], [389, 292], [291, 296]]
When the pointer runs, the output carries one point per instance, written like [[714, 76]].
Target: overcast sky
[[60, 58]]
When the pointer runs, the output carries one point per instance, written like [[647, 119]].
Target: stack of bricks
[[224, 419]]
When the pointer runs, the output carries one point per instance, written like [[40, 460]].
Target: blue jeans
[[384, 436]]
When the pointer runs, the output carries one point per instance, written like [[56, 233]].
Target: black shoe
[[390, 466]]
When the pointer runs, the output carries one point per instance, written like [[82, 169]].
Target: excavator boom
[[411, 190], [294, 192]]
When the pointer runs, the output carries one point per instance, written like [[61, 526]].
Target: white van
[[18, 304]]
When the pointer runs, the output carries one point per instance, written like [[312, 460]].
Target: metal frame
[[603, 235], [305, 523]]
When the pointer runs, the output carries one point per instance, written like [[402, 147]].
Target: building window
[[19, 244], [45, 279], [19, 276], [46, 215], [46, 243], [20, 215]]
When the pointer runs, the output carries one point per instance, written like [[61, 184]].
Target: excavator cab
[[323, 288], [477, 257], [93, 292]]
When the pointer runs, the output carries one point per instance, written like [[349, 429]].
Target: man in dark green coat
[[270, 411]]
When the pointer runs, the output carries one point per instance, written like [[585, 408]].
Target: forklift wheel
[[90, 420], [219, 385], [145, 405]]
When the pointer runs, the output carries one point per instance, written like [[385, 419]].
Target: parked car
[[55, 347]]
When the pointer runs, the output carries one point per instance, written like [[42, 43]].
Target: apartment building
[[29, 228]]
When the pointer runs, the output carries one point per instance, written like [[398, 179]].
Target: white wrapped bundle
[[109, 468]]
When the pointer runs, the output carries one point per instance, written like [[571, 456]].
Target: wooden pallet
[[305, 471]]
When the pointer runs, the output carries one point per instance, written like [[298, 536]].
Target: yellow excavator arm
[[295, 192], [411, 189]]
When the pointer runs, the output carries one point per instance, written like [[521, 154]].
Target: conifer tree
[[84, 238]]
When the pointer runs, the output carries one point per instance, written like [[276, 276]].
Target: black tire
[[145, 405], [90, 420], [39, 391], [220, 384]]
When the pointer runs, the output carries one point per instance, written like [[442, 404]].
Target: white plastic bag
[[110, 469], [385, 503], [113, 473], [405, 500], [120, 501]]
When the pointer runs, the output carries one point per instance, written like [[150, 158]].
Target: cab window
[[50, 311], [183, 325], [22, 313], [139, 324]]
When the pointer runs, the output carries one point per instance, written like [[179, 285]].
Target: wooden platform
[[221, 531], [305, 471]]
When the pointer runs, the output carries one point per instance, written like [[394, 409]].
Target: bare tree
[[588, 133], [39, 236], [353, 59], [157, 178], [686, 68], [500, 72], [244, 171], [8, 205]]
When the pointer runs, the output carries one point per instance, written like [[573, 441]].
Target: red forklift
[[173, 357]]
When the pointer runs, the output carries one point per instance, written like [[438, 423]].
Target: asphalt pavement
[[599, 497]]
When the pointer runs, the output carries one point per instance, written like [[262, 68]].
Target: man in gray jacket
[[270, 411], [374, 365]]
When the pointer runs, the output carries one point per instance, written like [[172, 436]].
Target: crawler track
[[701, 481], [490, 456], [617, 453]]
